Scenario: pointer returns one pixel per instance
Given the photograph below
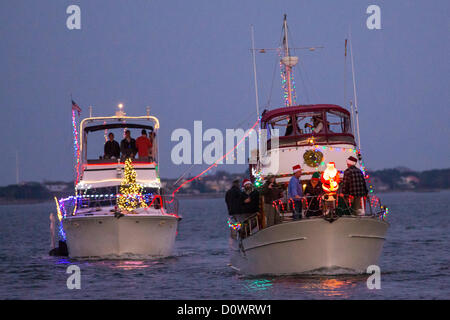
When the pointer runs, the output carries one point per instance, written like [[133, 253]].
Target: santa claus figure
[[330, 178]]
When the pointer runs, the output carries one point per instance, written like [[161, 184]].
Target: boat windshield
[[109, 144], [297, 125]]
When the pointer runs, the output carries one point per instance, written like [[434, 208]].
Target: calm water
[[415, 262]]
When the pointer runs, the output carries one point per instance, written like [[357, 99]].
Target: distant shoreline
[[190, 196]]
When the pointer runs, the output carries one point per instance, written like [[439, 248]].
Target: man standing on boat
[[354, 186], [112, 148], [128, 146], [233, 199], [271, 192], [295, 192], [250, 198], [143, 145]]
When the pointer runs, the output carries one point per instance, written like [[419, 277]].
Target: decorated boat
[[119, 208], [319, 138]]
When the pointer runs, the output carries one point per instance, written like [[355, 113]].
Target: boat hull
[[108, 236], [347, 245]]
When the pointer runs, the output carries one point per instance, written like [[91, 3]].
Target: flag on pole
[[76, 107]]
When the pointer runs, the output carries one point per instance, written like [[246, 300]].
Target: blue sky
[[190, 60]]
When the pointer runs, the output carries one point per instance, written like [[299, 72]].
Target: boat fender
[[60, 251], [118, 215]]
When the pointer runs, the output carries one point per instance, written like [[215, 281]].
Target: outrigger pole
[[354, 92], [254, 70]]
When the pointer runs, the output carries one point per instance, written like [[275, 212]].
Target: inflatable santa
[[330, 178]]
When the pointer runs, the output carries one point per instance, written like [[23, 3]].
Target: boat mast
[[286, 54], [289, 62]]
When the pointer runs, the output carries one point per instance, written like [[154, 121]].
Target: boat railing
[[312, 206], [319, 205], [245, 227], [95, 202]]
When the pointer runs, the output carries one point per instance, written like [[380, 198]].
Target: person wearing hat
[[233, 199], [313, 191], [271, 192], [250, 198], [354, 185], [295, 192]]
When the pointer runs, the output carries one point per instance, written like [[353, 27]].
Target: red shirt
[[143, 144]]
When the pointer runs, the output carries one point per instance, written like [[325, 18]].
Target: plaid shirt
[[354, 183]]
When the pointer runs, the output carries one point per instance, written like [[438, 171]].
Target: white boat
[[332, 243], [92, 223]]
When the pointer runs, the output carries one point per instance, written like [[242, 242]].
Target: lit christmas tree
[[130, 197]]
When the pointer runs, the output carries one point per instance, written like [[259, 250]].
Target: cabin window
[[338, 122], [310, 123], [281, 126]]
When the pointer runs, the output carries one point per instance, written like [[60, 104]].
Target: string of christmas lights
[[76, 147]]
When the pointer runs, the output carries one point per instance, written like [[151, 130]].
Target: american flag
[[76, 107]]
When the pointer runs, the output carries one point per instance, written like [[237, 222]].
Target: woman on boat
[[313, 192]]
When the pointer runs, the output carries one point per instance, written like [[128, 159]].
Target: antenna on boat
[[90, 111], [345, 74], [148, 111], [354, 91], [254, 70]]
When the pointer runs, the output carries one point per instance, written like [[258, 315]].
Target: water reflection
[[314, 286], [258, 284], [131, 265]]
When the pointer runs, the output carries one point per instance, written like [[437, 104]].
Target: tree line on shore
[[397, 179]]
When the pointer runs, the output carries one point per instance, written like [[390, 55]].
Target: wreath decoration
[[313, 158]]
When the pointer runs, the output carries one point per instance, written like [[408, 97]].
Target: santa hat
[[245, 182], [296, 168], [351, 161]]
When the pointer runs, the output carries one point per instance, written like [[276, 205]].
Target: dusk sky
[[190, 60]]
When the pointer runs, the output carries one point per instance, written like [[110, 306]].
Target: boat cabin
[[308, 124], [99, 171]]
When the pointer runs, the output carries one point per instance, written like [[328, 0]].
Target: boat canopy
[[117, 125], [297, 125]]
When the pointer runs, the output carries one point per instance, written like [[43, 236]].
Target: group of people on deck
[[129, 147], [305, 202]]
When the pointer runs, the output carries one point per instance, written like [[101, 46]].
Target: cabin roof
[[267, 115]]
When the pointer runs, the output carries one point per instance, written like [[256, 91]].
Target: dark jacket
[[253, 205], [233, 200], [112, 149], [312, 197], [313, 191], [354, 183], [128, 148], [271, 194]]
